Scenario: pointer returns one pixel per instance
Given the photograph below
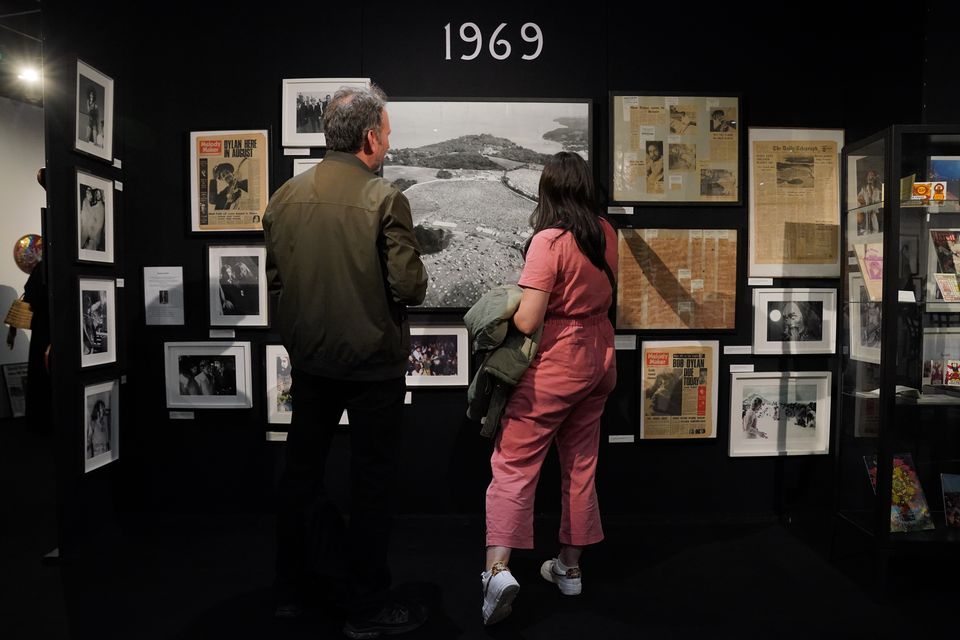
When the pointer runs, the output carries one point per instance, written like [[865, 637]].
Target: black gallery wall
[[207, 69]]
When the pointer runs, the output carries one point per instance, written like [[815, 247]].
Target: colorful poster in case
[[908, 504]]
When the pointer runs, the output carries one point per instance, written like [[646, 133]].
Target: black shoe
[[394, 618], [288, 610]]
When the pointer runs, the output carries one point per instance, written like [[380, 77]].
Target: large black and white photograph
[[780, 413], [101, 424], [94, 218], [238, 286], [439, 356], [303, 102], [471, 171], [97, 322], [212, 375], [865, 317], [799, 321], [94, 112]]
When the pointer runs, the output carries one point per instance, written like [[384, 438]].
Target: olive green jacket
[[344, 264]]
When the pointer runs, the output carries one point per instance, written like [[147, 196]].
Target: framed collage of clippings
[[208, 375], [680, 386], [98, 321], [229, 185], [794, 321], [101, 424], [94, 112], [237, 286], [302, 104], [439, 356], [674, 149], [865, 317], [794, 202], [471, 171], [94, 218], [779, 413]]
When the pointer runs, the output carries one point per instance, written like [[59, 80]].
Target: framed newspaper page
[[779, 413], [94, 112], [674, 149], [229, 185], [794, 321], [794, 200], [303, 103], [679, 389]]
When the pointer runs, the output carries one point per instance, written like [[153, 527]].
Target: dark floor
[[208, 577]]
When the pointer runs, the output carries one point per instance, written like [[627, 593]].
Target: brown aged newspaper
[[679, 389]]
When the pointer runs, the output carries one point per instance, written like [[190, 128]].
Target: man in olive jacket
[[343, 261]]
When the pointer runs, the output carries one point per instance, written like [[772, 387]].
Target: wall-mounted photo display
[[101, 424], [238, 286], [796, 321], [279, 380], [680, 387], [674, 149], [208, 375], [865, 317], [229, 180], [98, 321], [94, 112], [303, 102], [439, 356], [94, 218], [794, 202], [304, 164], [471, 171], [779, 413]]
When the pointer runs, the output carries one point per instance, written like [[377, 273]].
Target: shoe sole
[[546, 572], [504, 604]]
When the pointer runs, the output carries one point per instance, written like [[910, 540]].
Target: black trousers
[[375, 410]]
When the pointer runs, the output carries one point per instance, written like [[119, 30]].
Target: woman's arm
[[532, 309]]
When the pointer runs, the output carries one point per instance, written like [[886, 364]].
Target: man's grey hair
[[350, 115]]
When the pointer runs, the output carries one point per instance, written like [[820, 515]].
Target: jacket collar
[[346, 158]]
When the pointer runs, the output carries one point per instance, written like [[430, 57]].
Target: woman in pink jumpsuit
[[561, 396]]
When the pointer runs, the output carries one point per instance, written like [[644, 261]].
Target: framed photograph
[[303, 103], [679, 389], [208, 375], [15, 378], [794, 202], [865, 180], [439, 356], [864, 322], [229, 180], [674, 149], [101, 424], [94, 218], [302, 164], [98, 321], [279, 381], [238, 286], [471, 171], [943, 270], [779, 413], [941, 347], [864, 226], [797, 321], [94, 112]]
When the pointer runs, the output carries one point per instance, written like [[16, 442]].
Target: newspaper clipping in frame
[[228, 176], [679, 390]]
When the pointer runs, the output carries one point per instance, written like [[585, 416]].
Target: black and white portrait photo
[[213, 375], [797, 320], [869, 321], [438, 356], [209, 375], [723, 119], [238, 294], [100, 424], [94, 111], [97, 321], [304, 102], [94, 218], [665, 396], [471, 171]]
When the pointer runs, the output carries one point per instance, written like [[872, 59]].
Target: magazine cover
[[908, 504]]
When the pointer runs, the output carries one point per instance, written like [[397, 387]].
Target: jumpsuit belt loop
[[588, 321]]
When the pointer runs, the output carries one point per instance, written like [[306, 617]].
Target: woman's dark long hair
[[568, 201]]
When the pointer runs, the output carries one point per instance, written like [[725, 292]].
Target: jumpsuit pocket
[[576, 355]]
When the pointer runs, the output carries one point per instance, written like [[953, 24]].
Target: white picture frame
[[790, 413], [865, 317], [94, 197], [439, 356], [794, 321], [302, 125], [237, 285], [101, 424], [304, 164], [94, 111], [207, 375], [98, 321], [279, 379]]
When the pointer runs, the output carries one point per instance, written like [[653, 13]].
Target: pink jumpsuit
[[560, 397]]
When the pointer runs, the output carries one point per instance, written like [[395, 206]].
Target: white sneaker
[[569, 583], [499, 590]]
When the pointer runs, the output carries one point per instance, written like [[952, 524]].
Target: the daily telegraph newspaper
[[679, 389], [229, 180]]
